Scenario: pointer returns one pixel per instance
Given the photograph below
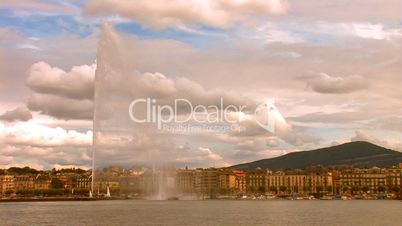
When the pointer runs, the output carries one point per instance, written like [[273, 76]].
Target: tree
[[355, 189], [365, 189], [25, 192], [56, 183], [381, 189], [9, 192], [396, 189], [282, 188], [261, 189], [21, 171], [223, 191]]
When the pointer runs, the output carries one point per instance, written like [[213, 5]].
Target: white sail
[[108, 192]]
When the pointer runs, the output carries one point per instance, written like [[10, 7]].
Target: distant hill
[[359, 154]]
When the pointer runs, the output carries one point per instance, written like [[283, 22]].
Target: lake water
[[213, 212]]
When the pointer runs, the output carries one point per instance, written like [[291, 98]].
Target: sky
[[333, 68]]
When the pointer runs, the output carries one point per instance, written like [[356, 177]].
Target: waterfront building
[[42, 182], [6, 184], [240, 181], [366, 180], [185, 180], [257, 180], [281, 183], [24, 182], [83, 182], [226, 182], [208, 181]]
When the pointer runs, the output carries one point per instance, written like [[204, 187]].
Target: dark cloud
[[61, 107], [324, 83], [17, 114]]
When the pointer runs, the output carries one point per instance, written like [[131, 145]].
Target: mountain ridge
[[356, 153]]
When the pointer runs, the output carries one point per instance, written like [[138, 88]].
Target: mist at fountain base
[[150, 183]]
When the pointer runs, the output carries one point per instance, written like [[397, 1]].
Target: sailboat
[[108, 192]]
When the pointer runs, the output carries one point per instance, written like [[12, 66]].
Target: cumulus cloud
[[361, 135], [61, 107], [178, 13], [209, 154], [29, 143], [201, 156], [76, 84], [61, 94], [31, 134], [69, 95], [324, 83], [17, 114], [253, 70], [282, 130]]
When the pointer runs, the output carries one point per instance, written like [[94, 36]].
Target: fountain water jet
[[118, 141]]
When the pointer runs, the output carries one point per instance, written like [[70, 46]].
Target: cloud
[[341, 117], [269, 33], [10, 37], [35, 135], [324, 83], [345, 10], [361, 135], [157, 14], [389, 123], [201, 156], [61, 107], [209, 154], [375, 31], [69, 95], [168, 69], [282, 130], [63, 95], [17, 114], [57, 6], [35, 145], [76, 84]]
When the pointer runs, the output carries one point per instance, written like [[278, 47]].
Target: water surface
[[214, 212]]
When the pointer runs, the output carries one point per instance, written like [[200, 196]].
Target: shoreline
[[72, 199], [51, 199]]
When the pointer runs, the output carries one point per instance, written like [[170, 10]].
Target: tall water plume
[[117, 140]]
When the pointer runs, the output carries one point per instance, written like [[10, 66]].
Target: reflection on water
[[214, 212]]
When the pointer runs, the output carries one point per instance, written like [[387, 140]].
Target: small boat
[[108, 193]]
